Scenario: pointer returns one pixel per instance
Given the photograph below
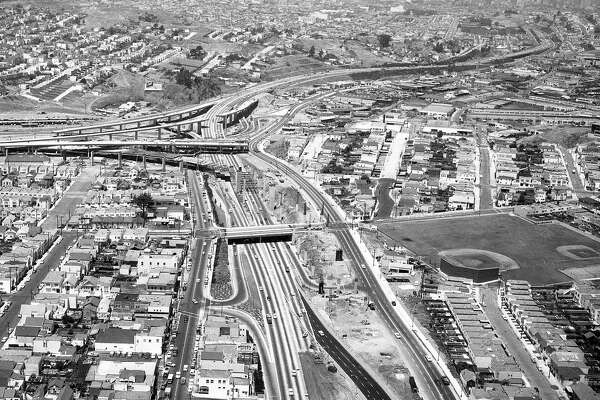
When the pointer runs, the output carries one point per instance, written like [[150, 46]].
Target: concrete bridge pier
[[120, 159], [181, 165], [91, 157], [159, 134], [144, 161], [163, 164], [135, 135]]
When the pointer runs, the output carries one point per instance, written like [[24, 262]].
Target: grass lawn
[[533, 247]]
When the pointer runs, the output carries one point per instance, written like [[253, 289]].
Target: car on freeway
[[261, 288], [445, 380], [428, 357], [363, 266], [321, 333], [194, 301], [397, 334], [182, 381]]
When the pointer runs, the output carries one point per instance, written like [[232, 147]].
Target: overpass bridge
[[226, 146], [549, 117], [233, 116], [258, 233], [147, 121]]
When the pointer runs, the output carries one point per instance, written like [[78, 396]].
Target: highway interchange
[[289, 327]]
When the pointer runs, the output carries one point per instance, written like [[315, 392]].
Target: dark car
[[445, 380]]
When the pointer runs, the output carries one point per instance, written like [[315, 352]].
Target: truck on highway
[[170, 379], [269, 319], [413, 384], [168, 392]]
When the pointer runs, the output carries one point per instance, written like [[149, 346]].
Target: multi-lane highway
[[426, 373], [286, 320], [283, 315]]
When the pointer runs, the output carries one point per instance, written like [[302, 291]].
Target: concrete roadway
[[578, 186], [425, 372], [485, 188], [278, 298]]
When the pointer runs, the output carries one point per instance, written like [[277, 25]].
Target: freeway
[[153, 119], [426, 373], [365, 382], [285, 327], [68, 141], [285, 256]]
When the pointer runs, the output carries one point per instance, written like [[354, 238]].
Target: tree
[[184, 77], [197, 53], [311, 51], [144, 201], [384, 40]]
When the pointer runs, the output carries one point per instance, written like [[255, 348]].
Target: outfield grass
[[533, 247]]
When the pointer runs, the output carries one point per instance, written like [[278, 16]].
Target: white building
[[148, 263]]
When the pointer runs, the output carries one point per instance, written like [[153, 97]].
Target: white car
[[397, 334], [194, 301], [428, 357]]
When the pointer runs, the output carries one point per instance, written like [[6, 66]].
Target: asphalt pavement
[[385, 203], [352, 367], [515, 346], [24, 296], [69, 200]]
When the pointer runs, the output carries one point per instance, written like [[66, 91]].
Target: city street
[[514, 345], [486, 201], [70, 199]]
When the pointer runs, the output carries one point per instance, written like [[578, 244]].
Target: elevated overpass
[[259, 233], [171, 118], [233, 116], [549, 117], [226, 146]]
